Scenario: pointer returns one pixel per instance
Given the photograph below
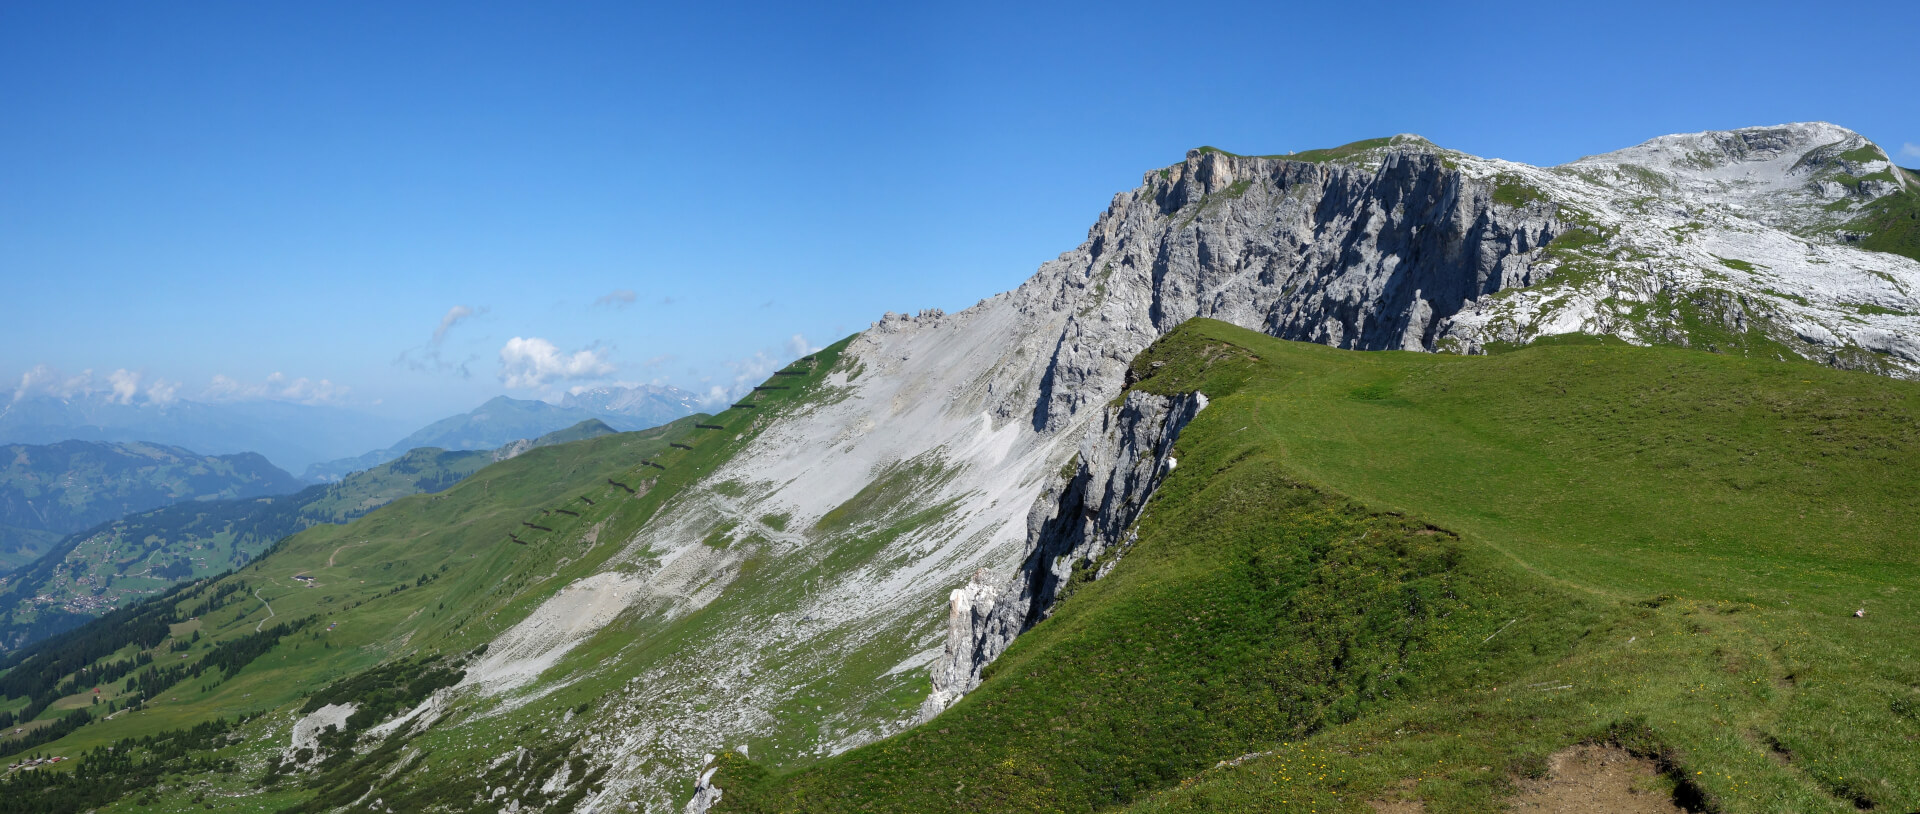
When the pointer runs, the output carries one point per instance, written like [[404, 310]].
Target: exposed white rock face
[[513, 449], [1711, 237], [705, 794], [306, 731], [968, 419], [1075, 524], [969, 614]]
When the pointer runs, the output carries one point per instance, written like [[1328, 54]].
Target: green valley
[[50, 491]]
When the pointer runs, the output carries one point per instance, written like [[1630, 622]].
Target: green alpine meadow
[[1392, 576], [1375, 478]]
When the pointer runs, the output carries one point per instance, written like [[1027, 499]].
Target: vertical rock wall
[[1360, 257], [1083, 523]]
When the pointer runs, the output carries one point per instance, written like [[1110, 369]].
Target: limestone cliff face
[[969, 417], [1078, 527], [1374, 255]]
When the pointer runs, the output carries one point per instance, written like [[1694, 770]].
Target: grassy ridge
[[1658, 547]]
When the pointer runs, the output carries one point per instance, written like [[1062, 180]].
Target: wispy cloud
[[162, 392], [798, 345], [428, 357], [752, 370], [453, 317], [42, 380], [527, 363], [747, 372], [1910, 150], [617, 298], [277, 387]]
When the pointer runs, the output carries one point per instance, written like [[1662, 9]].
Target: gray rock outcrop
[[1076, 529], [1360, 256]]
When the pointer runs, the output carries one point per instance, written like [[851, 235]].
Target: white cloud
[[752, 370], [1910, 150], [798, 346], [162, 392], [129, 387], [618, 298], [124, 383], [46, 381], [527, 363], [223, 388], [277, 387], [747, 372], [307, 391]]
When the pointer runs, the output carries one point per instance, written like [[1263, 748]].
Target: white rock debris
[[306, 731], [989, 433]]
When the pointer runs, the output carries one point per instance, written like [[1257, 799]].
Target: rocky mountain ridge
[[1393, 244], [781, 578]]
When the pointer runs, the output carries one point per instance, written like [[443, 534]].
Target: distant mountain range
[[503, 420], [145, 553], [648, 405], [292, 436], [48, 492]]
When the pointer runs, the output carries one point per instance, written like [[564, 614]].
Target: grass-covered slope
[[1406, 578], [144, 554], [1892, 223], [404, 595], [50, 491], [409, 579]]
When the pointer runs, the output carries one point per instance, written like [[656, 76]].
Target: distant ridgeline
[[50, 491], [141, 555], [502, 420]]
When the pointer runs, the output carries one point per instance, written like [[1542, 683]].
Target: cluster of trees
[[386, 689], [223, 594], [60, 728], [39, 704], [106, 774], [72, 662], [49, 669]]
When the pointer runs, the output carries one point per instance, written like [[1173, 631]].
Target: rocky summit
[[844, 556]]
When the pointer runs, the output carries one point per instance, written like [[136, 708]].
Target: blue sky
[[283, 195]]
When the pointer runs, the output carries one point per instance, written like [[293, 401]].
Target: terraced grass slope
[[1409, 579]]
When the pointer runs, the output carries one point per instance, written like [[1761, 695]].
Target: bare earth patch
[[1403, 802], [1594, 779]]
